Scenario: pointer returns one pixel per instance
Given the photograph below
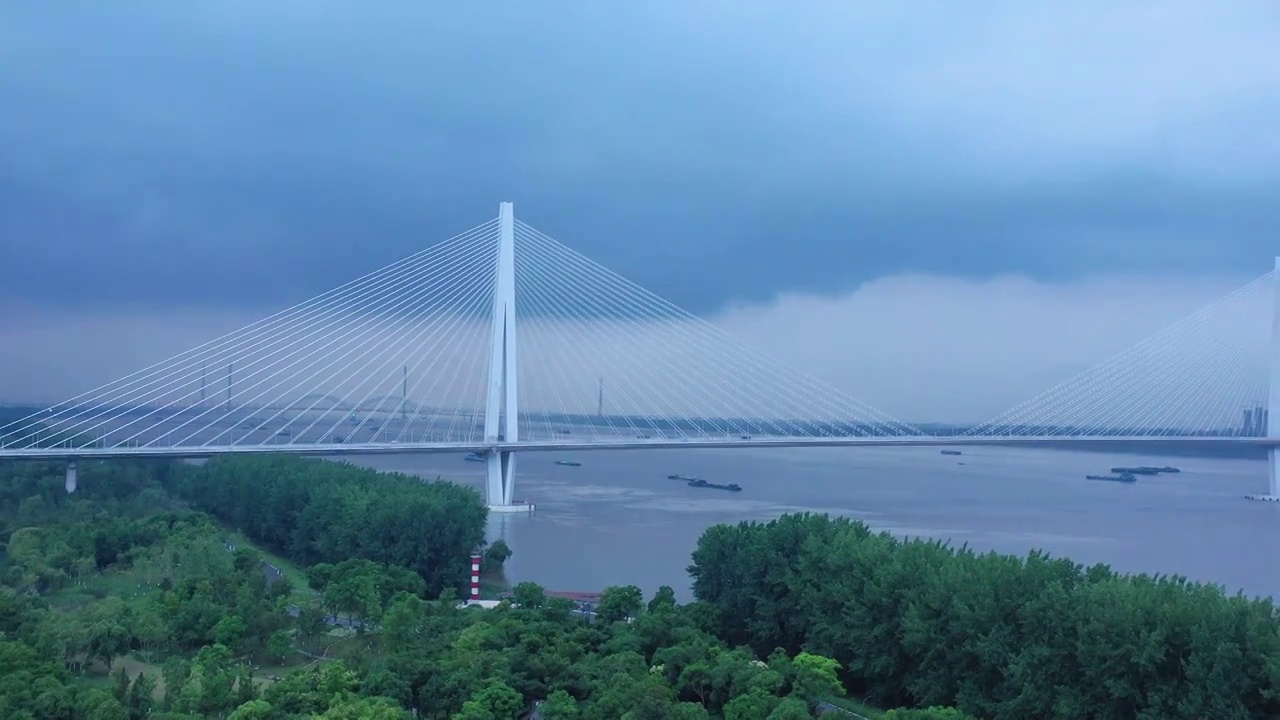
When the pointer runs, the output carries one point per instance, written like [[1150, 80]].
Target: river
[[617, 519]]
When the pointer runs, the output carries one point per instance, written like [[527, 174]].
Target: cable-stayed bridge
[[502, 340]]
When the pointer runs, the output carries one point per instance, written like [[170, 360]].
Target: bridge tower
[[501, 414], [1273, 394]]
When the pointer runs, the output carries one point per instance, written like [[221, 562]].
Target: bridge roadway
[[337, 449]]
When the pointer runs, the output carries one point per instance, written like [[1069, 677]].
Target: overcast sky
[[889, 196]]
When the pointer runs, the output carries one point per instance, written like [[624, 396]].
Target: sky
[[940, 209]]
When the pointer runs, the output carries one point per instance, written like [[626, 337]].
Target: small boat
[[569, 463], [678, 476], [1122, 478], [475, 457], [952, 452], [731, 487]]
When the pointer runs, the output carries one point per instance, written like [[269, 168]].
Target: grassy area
[[856, 706], [334, 646], [302, 590], [96, 673], [264, 675], [126, 584], [129, 584]]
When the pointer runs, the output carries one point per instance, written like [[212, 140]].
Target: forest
[[314, 511], [916, 622], [260, 588]]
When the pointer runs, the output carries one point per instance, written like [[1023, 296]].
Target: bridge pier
[[500, 483], [72, 477], [1273, 473]]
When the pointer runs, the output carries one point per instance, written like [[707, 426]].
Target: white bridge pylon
[[501, 413]]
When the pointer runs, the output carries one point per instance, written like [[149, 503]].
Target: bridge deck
[[335, 449]]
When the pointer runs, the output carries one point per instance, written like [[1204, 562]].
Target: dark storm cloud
[[257, 153]]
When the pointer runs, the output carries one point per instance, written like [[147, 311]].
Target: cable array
[[601, 357], [1204, 376], [401, 355], [394, 356]]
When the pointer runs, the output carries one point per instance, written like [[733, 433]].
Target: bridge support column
[[501, 415], [1273, 396], [72, 476], [500, 483], [1274, 494]]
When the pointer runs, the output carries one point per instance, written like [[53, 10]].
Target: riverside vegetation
[[259, 588]]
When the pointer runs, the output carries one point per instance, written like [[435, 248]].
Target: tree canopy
[[314, 511], [918, 623]]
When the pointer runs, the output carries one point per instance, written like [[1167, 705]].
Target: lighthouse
[[476, 557]]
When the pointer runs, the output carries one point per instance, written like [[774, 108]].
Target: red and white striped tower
[[476, 557]]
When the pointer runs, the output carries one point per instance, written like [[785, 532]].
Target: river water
[[617, 519]]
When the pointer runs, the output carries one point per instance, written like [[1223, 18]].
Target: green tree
[[620, 602], [121, 690], [815, 677], [94, 704], [280, 644], [141, 697], [498, 699], [253, 710], [358, 708], [790, 709], [529, 595], [559, 705], [753, 705], [663, 599], [496, 555]]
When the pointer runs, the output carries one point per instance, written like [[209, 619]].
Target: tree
[[279, 644], [814, 677], [529, 595], [141, 696], [619, 602], [497, 700], [253, 710], [790, 709], [105, 631], [402, 623], [365, 709], [751, 706], [496, 555], [121, 690], [94, 704], [310, 623], [663, 599], [559, 705]]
